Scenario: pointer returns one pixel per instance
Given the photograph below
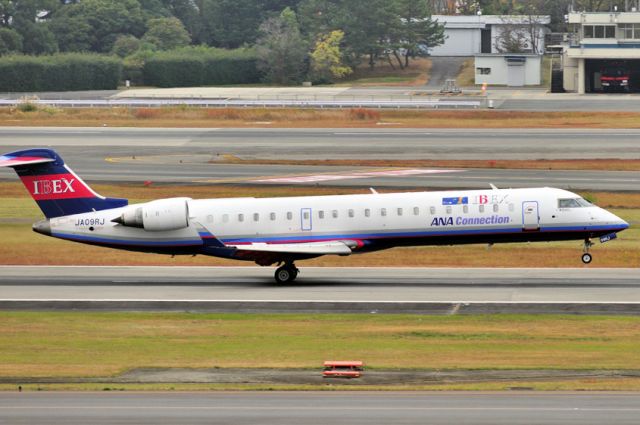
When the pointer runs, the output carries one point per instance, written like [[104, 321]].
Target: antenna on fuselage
[[373, 191], [493, 186]]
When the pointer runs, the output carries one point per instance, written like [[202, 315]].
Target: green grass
[[102, 344]]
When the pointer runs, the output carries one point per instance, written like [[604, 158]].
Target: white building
[[511, 69], [470, 35], [601, 40]]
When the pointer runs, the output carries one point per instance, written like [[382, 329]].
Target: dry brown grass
[[383, 74], [181, 117], [611, 164]]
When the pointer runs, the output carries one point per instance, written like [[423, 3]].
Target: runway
[[318, 289], [310, 408], [193, 156]]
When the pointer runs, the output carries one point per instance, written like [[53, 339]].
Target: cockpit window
[[573, 203]]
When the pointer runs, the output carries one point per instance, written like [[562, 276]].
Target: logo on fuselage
[[442, 221]]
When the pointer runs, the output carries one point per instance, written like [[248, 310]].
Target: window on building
[[629, 31], [599, 31], [483, 71]]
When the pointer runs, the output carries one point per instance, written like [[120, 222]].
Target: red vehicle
[[342, 369], [615, 77]]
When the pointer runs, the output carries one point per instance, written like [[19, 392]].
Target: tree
[[125, 45], [166, 33], [326, 58], [100, 22], [38, 39], [281, 50], [415, 32], [10, 41], [231, 23]]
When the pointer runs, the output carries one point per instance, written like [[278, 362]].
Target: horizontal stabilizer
[[312, 248], [14, 161]]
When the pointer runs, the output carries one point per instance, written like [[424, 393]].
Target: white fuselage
[[368, 221]]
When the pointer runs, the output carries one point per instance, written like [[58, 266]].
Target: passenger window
[[511, 207], [289, 215], [416, 210], [320, 214], [465, 209], [225, 218], [240, 217], [495, 207], [256, 216], [399, 211], [432, 210], [334, 213], [272, 216], [481, 208], [367, 212], [305, 215], [210, 218], [383, 212], [351, 213], [448, 209]]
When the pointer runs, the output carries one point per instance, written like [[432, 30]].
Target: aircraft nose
[[43, 227]]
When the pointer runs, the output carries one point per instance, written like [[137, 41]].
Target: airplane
[[285, 230]]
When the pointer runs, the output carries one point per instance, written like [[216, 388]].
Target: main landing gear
[[286, 273], [586, 257]]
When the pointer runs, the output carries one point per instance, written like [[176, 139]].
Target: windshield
[[573, 203]]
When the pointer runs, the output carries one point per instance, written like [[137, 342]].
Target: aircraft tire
[[586, 258], [285, 274]]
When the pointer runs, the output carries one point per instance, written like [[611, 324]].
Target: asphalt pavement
[[193, 155], [311, 408]]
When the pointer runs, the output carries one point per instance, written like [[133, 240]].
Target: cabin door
[[530, 215], [305, 218]]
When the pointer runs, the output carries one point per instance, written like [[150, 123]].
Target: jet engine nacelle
[[157, 216]]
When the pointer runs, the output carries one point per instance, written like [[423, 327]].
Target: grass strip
[[183, 117], [21, 246], [80, 344]]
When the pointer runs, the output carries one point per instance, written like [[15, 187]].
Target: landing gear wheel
[[286, 274], [586, 258]]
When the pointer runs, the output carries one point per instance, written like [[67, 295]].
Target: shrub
[[60, 72], [364, 114], [199, 66]]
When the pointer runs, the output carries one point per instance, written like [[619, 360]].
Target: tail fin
[[55, 187]]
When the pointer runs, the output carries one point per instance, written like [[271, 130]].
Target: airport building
[[511, 69], [470, 35], [603, 52]]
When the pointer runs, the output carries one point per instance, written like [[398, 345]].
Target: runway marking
[[349, 176]]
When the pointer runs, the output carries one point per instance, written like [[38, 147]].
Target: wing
[[267, 254], [313, 248]]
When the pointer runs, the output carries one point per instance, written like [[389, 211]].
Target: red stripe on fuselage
[[56, 186]]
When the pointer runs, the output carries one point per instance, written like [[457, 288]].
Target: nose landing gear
[[586, 257], [286, 273]]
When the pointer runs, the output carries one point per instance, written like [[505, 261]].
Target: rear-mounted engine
[[157, 216]]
